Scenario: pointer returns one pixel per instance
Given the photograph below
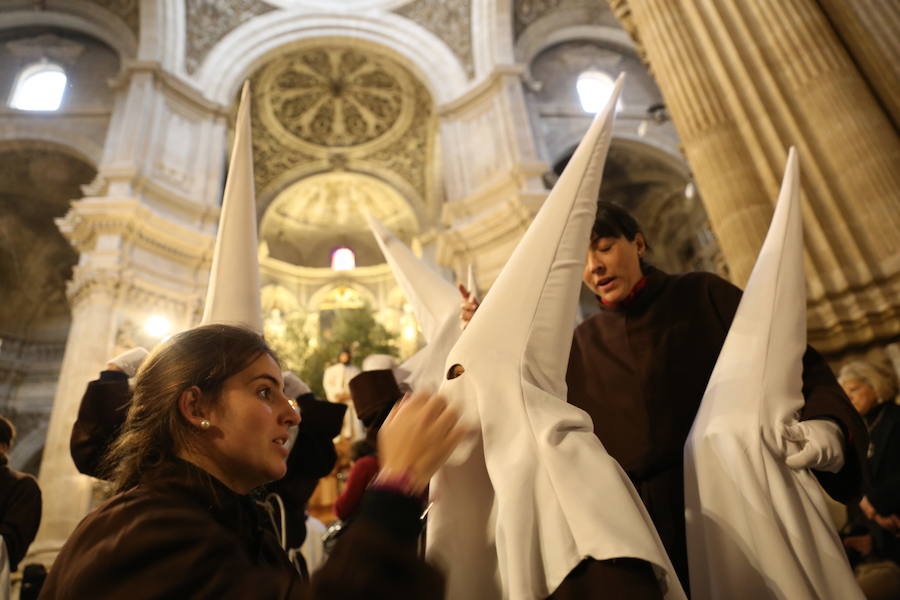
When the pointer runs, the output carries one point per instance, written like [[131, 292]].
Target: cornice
[[170, 82]]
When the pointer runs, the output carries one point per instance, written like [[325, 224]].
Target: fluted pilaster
[[745, 80]]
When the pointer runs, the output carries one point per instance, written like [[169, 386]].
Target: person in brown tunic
[[20, 501], [640, 367], [207, 425]]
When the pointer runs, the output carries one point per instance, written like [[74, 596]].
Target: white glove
[[294, 386], [821, 445], [129, 362]]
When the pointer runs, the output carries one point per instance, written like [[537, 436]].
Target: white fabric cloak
[[534, 492], [755, 527]]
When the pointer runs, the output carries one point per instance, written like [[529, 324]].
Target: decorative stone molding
[[528, 12], [208, 21], [75, 15], [450, 20], [334, 107], [314, 215], [127, 10], [47, 46], [242, 51], [333, 97]]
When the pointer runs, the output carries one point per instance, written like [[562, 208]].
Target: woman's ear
[[641, 243], [193, 408]]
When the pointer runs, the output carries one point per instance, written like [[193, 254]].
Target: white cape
[[755, 527], [534, 492]]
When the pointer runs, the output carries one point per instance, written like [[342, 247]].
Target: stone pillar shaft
[[745, 80]]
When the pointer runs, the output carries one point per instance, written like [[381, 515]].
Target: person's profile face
[[253, 419], [613, 267]]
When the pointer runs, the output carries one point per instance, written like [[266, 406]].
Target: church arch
[[88, 19], [246, 48]]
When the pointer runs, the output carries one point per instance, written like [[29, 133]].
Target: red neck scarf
[[634, 292]]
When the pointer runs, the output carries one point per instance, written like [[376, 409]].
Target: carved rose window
[[335, 97]]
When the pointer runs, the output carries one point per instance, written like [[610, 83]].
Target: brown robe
[[640, 371], [182, 534], [20, 511]]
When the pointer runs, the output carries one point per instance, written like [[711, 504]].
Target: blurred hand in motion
[[416, 439], [890, 523], [468, 307], [860, 543], [867, 508]]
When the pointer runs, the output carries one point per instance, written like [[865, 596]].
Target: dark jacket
[[883, 491], [182, 534], [104, 407], [20, 511], [640, 370]]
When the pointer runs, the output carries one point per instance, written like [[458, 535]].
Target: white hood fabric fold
[[435, 302], [534, 492], [756, 527], [233, 295]]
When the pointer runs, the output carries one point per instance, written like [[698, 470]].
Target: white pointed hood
[[435, 303], [233, 294], [471, 282], [753, 524], [510, 518], [432, 297]]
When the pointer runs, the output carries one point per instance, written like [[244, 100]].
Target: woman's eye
[[606, 249], [264, 393]]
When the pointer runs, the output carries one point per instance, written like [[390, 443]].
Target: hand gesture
[[416, 439], [468, 307]]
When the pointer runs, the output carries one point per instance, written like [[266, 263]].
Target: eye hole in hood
[[455, 371]]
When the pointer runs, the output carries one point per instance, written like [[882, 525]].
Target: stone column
[[143, 233], [870, 29], [743, 81]]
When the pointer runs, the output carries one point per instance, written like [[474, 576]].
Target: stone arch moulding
[[252, 44], [94, 22], [74, 145], [646, 147], [542, 35], [266, 196]]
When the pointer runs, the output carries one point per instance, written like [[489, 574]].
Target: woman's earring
[[204, 424]]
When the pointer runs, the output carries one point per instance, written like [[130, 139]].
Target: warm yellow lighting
[[409, 332], [157, 326], [343, 259]]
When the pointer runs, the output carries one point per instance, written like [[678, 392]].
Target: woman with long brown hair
[[208, 425]]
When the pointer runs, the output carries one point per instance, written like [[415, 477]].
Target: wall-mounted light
[[157, 326]]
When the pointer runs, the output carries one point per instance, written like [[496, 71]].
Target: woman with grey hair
[[870, 535]]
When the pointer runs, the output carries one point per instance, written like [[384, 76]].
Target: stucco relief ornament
[[335, 97]]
